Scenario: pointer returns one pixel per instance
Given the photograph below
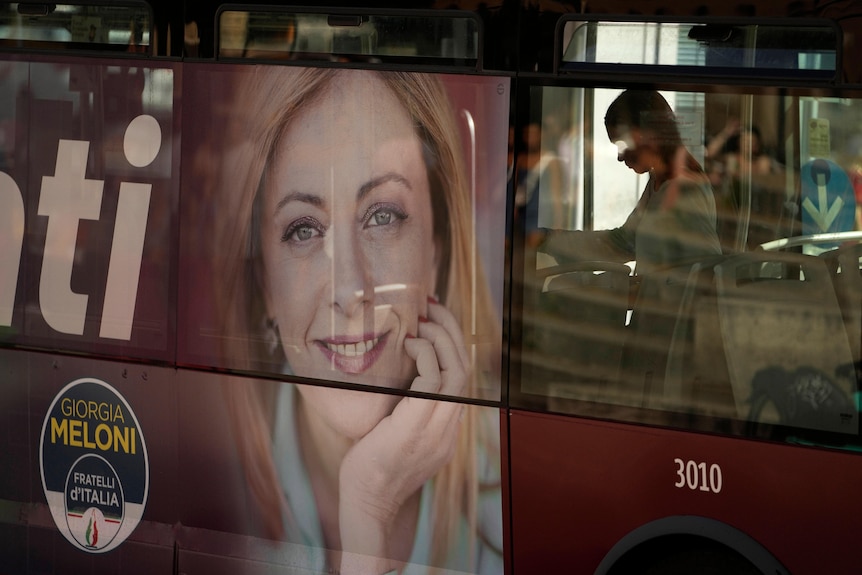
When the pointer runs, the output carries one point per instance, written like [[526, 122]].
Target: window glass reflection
[[120, 26], [278, 34]]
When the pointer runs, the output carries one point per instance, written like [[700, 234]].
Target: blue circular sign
[[94, 465]]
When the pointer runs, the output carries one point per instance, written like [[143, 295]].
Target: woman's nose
[[622, 148], [351, 285]]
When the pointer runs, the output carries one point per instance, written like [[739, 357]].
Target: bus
[[502, 287]]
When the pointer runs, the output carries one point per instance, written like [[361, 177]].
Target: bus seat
[[584, 307], [696, 377], [645, 353], [778, 310], [845, 266]]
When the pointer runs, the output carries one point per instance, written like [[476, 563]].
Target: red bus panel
[[580, 486]]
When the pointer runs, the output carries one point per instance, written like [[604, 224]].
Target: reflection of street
[[708, 355]]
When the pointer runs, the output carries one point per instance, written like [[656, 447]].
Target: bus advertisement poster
[[344, 228]]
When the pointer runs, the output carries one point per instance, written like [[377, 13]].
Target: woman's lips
[[353, 356]]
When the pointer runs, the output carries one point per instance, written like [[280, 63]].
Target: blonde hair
[[274, 97]]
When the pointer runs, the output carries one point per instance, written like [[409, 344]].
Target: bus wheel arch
[[671, 544]]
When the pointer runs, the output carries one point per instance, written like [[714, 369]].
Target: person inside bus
[[738, 150], [735, 156], [540, 181], [345, 226], [674, 221]]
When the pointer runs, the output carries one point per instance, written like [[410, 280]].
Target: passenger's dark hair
[[646, 110], [732, 145]]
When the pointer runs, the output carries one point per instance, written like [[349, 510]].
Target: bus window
[[122, 26], [738, 49], [403, 37], [647, 290]]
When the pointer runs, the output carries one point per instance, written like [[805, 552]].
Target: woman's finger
[[454, 372], [441, 315], [448, 354], [422, 352]]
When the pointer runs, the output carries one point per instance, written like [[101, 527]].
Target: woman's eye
[[304, 233], [302, 230], [383, 216]]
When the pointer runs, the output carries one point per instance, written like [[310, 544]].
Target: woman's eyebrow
[[380, 180], [364, 189], [312, 199]]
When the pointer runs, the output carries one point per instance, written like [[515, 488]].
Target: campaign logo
[[94, 465]]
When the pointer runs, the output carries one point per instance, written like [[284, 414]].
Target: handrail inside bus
[[796, 241]]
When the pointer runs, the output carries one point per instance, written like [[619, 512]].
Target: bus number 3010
[[698, 476]]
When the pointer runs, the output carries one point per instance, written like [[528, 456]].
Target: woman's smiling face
[[346, 234]]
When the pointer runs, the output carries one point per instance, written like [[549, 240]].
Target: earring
[[271, 336]]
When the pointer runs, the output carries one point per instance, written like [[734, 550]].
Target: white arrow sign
[[823, 214]]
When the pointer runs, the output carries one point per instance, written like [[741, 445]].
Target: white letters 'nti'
[[67, 197]]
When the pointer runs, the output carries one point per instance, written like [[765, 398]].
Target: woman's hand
[[382, 475]]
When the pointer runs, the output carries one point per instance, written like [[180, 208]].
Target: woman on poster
[[344, 226]]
